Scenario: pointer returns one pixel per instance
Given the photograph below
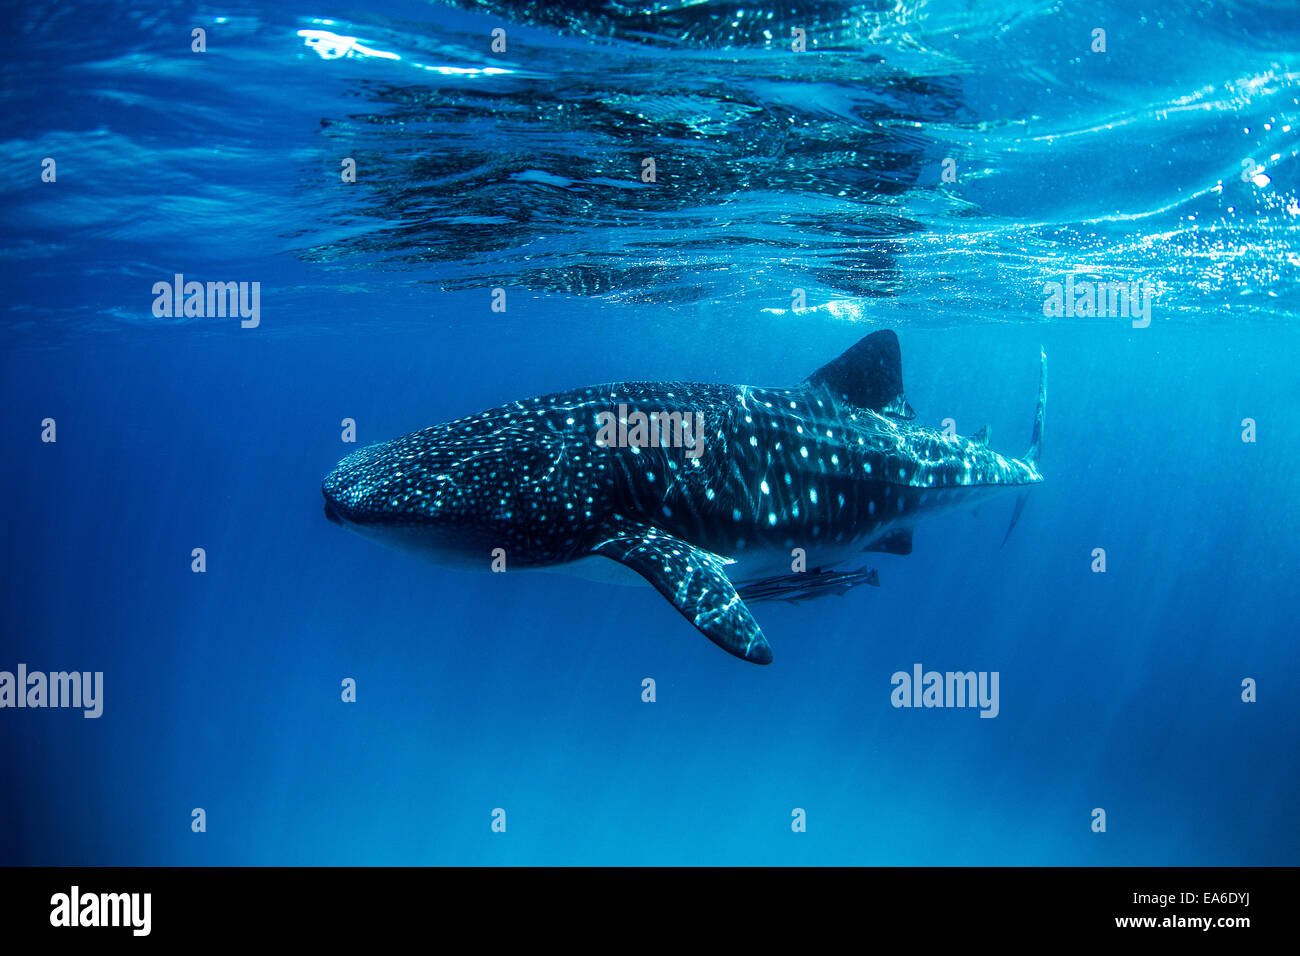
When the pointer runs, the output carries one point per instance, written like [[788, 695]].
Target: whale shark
[[705, 491]]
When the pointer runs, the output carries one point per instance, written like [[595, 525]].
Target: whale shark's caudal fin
[[1035, 440], [869, 375], [693, 580]]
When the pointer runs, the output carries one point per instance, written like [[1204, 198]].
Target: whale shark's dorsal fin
[[981, 437], [693, 580], [869, 375]]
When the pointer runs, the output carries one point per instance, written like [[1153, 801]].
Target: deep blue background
[[522, 691]]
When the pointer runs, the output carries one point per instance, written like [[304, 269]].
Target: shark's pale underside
[[834, 466]]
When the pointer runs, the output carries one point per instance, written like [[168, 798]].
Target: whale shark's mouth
[[331, 514]]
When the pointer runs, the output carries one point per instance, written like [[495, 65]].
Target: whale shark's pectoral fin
[[694, 581], [869, 375]]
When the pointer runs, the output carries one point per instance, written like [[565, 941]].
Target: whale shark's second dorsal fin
[[869, 375], [693, 580], [896, 542]]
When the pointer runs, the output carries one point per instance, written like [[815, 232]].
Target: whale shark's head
[[426, 493]]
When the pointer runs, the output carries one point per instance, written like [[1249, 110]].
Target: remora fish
[[706, 502]]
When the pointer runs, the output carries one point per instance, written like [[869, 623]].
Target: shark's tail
[[1035, 441]]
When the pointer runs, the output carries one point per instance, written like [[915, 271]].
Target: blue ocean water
[[1168, 159]]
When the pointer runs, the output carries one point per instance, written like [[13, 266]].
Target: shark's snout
[[385, 485], [344, 488], [331, 489], [425, 493]]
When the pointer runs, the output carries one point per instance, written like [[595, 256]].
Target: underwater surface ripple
[[773, 171]]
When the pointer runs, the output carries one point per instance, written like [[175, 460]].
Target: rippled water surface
[[773, 170]]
